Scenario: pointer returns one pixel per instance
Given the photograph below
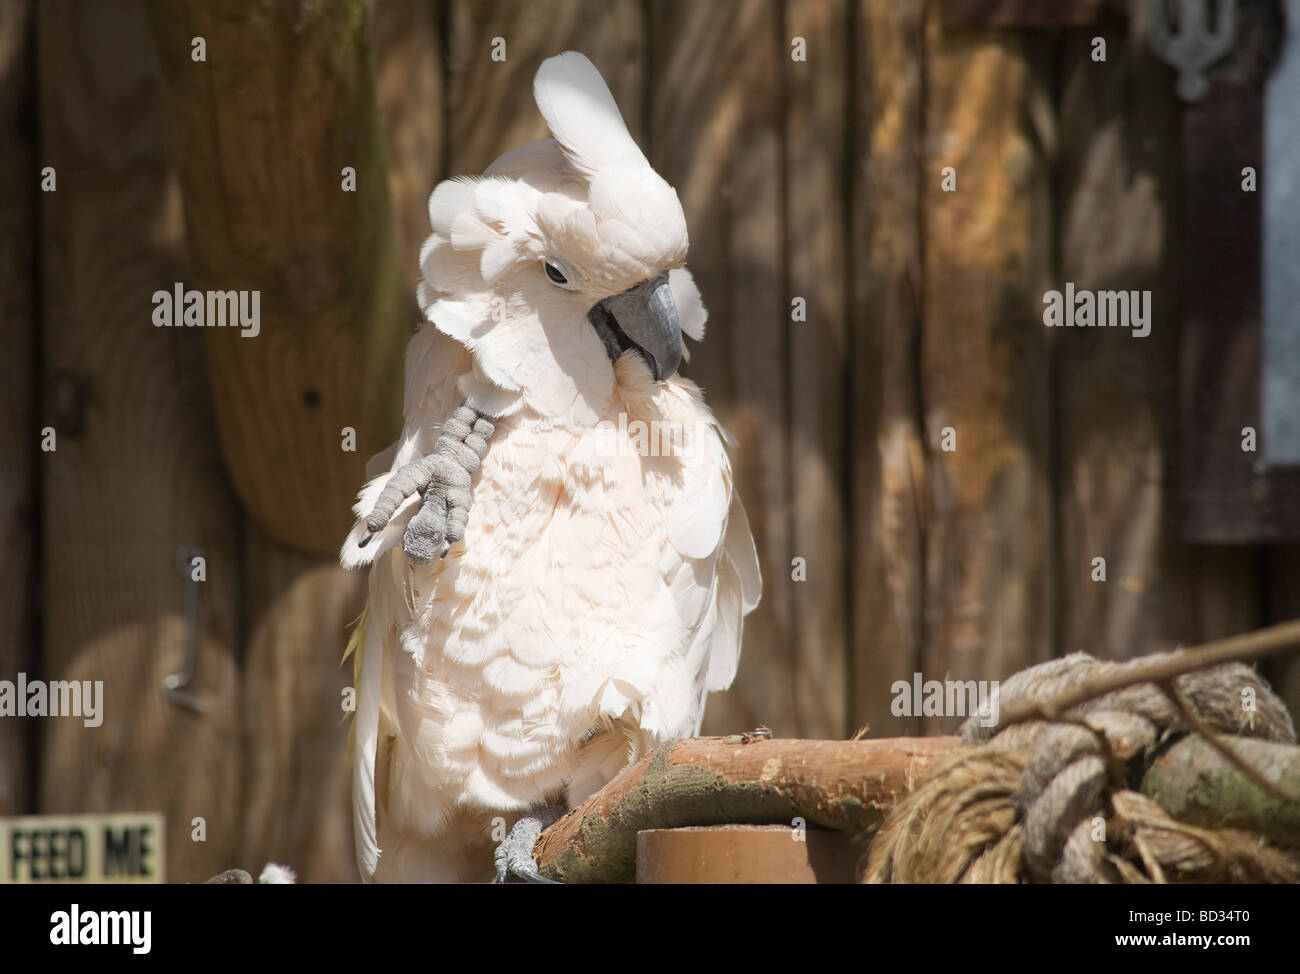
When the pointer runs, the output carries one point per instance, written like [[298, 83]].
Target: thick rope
[[1043, 801]]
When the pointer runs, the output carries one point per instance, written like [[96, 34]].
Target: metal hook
[[1193, 47], [174, 684]]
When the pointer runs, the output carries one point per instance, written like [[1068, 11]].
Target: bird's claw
[[443, 481], [514, 856]]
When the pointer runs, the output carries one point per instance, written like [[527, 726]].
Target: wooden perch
[[263, 127], [1196, 784], [844, 785]]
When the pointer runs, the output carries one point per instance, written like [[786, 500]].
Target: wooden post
[[1115, 403], [888, 488], [408, 43], [716, 83], [297, 807], [815, 232], [266, 131], [984, 354], [1228, 497]]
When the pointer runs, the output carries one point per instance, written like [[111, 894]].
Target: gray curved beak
[[647, 316]]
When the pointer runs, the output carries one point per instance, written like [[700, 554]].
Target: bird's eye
[[557, 273]]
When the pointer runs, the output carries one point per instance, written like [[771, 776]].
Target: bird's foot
[[443, 481], [514, 856]]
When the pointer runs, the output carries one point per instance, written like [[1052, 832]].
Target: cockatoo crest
[[520, 256]]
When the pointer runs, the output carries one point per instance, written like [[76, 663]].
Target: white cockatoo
[[584, 610]]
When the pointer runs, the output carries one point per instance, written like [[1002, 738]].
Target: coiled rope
[[1054, 801]]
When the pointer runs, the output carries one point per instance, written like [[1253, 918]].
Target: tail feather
[[367, 668]]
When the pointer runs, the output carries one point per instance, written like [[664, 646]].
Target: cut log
[[746, 854]]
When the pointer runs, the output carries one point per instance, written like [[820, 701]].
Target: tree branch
[[843, 785]]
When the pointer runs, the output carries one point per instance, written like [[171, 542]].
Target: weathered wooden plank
[[407, 42], [263, 130], [816, 220], [716, 135], [1283, 579], [1019, 13], [888, 462], [1228, 496], [988, 602], [1116, 407], [1279, 194], [136, 475], [299, 608], [297, 808], [491, 105], [19, 433]]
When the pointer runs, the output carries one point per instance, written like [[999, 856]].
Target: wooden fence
[[866, 316]]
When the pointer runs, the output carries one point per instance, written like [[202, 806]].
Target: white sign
[[125, 848]]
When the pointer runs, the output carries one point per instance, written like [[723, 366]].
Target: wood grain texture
[[716, 81], [407, 42], [1282, 571], [262, 132], [136, 475], [299, 608], [988, 610], [816, 94], [818, 179], [491, 105], [1115, 396], [19, 433], [888, 495], [1228, 497], [757, 854], [297, 780], [1019, 13]]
